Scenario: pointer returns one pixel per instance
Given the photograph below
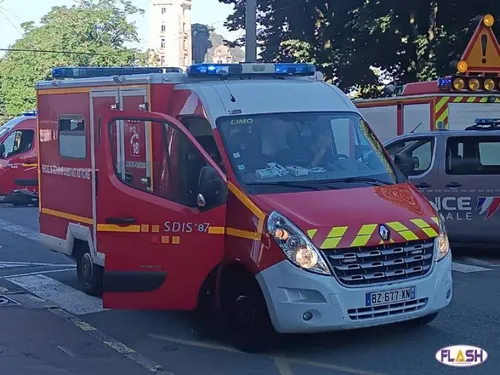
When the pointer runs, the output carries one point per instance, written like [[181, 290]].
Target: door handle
[[453, 185], [121, 220], [423, 185]]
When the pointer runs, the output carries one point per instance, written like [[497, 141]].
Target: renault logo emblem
[[383, 231]]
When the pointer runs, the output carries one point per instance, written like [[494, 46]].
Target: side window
[[174, 171], [72, 137], [473, 155], [420, 150], [18, 142]]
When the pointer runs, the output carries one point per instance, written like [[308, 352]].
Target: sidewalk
[[34, 340]]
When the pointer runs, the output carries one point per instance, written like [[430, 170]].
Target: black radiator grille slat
[[383, 263]]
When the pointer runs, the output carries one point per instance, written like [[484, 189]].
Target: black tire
[[424, 320], [245, 313], [90, 275]]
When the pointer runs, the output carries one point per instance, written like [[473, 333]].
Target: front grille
[[383, 263], [387, 310]]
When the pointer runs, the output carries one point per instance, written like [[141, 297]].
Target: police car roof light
[[93, 72], [250, 69], [487, 121]]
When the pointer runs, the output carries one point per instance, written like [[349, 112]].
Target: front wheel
[[244, 308], [90, 275]]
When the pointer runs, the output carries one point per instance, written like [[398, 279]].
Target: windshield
[[305, 147], [9, 125]]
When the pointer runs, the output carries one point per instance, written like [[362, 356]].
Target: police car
[[459, 171]]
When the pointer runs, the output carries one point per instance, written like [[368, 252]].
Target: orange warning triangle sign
[[482, 54]]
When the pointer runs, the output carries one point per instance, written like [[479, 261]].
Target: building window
[[163, 28], [72, 137], [163, 10], [162, 43], [162, 60]]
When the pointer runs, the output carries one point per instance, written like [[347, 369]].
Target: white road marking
[[481, 262], [39, 272], [64, 296], [467, 268], [19, 230], [31, 264]]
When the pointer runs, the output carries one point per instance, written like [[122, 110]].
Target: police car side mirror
[[211, 189], [2, 150], [405, 163]]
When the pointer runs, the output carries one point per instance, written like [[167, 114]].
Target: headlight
[[295, 244], [442, 243]]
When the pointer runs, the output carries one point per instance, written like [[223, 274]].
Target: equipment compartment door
[[160, 243]]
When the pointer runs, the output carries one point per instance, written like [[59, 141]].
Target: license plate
[[390, 296]]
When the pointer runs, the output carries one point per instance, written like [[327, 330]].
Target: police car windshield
[[312, 147]]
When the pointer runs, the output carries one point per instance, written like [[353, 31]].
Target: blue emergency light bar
[[251, 69], [444, 83], [487, 121], [93, 72], [29, 113]]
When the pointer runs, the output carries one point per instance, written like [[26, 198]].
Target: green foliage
[[355, 41], [95, 31]]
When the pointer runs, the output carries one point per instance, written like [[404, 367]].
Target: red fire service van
[[18, 160], [254, 189]]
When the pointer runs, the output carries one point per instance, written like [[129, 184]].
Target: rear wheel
[[245, 310], [90, 275]]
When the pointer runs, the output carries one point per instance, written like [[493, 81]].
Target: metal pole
[[251, 31]]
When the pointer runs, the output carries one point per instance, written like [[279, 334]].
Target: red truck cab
[[18, 160], [255, 190]]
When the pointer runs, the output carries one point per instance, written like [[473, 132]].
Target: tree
[[94, 31], [358, 42]]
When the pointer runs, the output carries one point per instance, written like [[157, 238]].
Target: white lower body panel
[[290, 292]]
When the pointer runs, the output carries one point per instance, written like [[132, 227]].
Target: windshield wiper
[[348, 180], [314, 185]]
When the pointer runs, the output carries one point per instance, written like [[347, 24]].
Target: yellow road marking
[[283, 366], [283, 363]]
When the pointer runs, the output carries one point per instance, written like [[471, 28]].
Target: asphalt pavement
[[67, 321]]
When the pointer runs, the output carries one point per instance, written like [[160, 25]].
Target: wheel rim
[[87, 268]]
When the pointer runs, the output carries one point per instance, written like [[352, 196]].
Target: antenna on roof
[[416, 127]]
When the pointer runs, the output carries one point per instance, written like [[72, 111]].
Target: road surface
[[168, 341]]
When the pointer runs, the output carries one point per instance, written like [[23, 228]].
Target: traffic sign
[[482, 54]]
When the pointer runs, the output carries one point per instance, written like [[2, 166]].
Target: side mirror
[[212, 190], [2, 150], [405, 163], [416, 162]]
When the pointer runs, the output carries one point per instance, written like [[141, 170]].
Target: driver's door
[[159, 245]]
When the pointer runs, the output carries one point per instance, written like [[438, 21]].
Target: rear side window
[[72, 137], [473, 155]]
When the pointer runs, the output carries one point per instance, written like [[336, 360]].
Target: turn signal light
[[462, 66], [489, 84], [488, 20], [474, 84], [458, 84]]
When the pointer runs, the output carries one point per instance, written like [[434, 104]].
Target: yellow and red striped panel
[[441, 110], [346, 236]]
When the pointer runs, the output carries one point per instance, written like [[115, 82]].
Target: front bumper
[[290, 292]]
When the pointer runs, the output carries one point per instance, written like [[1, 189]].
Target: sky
[[15, 12]]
